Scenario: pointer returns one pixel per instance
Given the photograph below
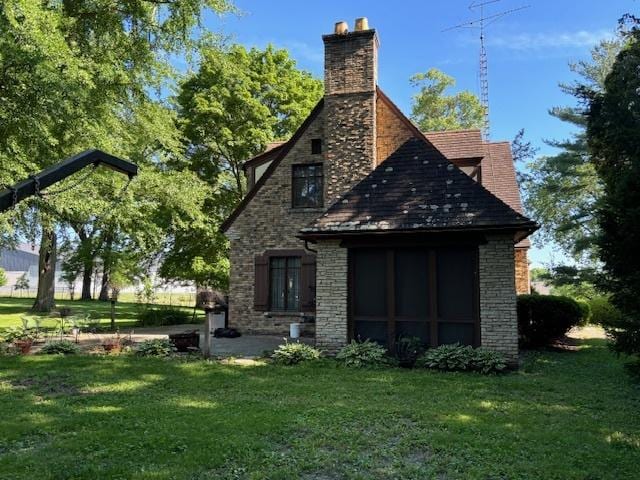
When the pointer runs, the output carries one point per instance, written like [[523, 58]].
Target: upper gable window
[[316, 146], [473, 171], [307, 186]]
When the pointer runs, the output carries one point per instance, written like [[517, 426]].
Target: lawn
[[569, 415], [13, 309]]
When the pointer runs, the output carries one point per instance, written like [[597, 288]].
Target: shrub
[[408, 349], [60, 347], [155, 317], [3, 278], [457, 357], [603, 312], [447, 357], [488, 361], [160, 347], [13, 334], [544, 318], [363, 354], [294, 353], [585, 308]]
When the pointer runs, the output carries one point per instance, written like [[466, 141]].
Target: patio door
[[416, 292]]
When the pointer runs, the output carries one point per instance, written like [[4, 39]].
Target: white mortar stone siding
[[498, 316], [331, 296]]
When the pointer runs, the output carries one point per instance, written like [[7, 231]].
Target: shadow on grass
[[150, 418]]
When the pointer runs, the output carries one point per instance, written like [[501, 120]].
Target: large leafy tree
[[561, 190], [613, 134], [78, 74], [238, 101], [433, 109]]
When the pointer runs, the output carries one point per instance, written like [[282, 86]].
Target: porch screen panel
[[370, 295], [461, 333], [456, 294], [412, 294]]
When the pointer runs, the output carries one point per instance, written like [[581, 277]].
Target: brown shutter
[[308, 283], [261, 284]]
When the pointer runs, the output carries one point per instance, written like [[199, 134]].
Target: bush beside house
[[545, 318]]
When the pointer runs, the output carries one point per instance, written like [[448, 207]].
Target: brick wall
[[350, 62], [350, 77], [523, 285], [498, 319], [331, 296], [391, 132], [269, 222]]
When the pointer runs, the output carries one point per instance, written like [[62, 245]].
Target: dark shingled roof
[[417, 189]]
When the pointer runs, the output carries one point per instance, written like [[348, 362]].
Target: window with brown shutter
[[285, 280]]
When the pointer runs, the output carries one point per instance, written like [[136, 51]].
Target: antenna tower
[[481, 24]]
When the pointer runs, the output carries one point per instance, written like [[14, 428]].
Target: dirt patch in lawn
[[53, 386]]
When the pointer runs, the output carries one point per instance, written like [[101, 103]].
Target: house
[[16, 263], [366, 227]]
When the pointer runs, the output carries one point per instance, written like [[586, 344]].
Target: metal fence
[[164, 297]]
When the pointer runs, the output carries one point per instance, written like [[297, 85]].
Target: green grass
[[571, 415], [13, 309]]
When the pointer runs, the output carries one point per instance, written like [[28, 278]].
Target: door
[[428, 293]]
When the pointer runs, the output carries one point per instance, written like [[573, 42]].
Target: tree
[[22, 282], [561, 191], [79, 74], [613, 134], [237, 102], [3, 278], [433, 110]]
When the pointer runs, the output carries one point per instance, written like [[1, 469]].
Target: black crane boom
[[35, 183]]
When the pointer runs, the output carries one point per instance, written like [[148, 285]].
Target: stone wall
[[350, 140], [498, 318], [523, 285], [331, 296], [268, 222]]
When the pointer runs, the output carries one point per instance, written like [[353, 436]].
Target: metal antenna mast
[[481, 24]]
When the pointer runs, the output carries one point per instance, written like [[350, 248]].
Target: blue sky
[[528, 51]]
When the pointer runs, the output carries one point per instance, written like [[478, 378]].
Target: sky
[[528, 51]]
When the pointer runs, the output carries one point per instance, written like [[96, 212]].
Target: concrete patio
[[245, 346]]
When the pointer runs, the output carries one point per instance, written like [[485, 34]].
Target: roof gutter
[[522, 231]]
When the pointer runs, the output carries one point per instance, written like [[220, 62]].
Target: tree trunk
[[45, 300], [104, 289], [107, 264], [87, 276]]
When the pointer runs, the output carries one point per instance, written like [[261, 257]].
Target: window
[[285, 280], [284, 284], [473, 171], [307, 186], [316, 146]]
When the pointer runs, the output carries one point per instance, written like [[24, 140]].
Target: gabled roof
[[417, 189], [280, 153], [272, 151], [458, 144]]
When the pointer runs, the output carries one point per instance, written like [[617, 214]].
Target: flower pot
[[24, 345], [111, 347]]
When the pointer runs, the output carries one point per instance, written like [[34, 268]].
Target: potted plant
[[408, 349], [112, 345], [21, 338]]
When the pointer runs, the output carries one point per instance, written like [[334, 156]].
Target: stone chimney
[[350, 79]]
